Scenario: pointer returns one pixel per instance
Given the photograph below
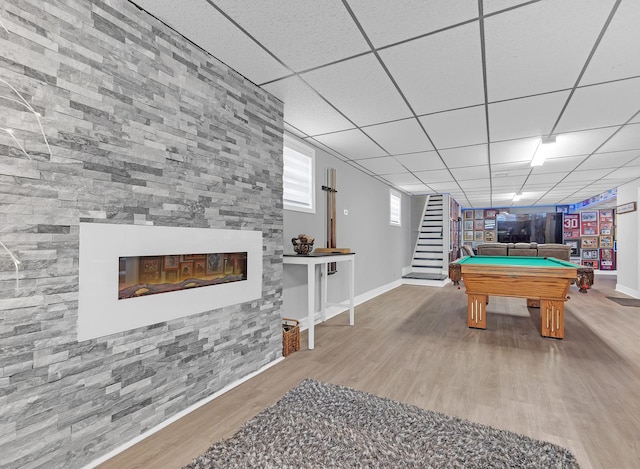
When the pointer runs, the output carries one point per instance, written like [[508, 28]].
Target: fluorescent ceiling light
[[542, 150]]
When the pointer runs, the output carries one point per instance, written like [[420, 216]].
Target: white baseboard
[[605, 272], [627, 291], [357, 300], [179, 415]]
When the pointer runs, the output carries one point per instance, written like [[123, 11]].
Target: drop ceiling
[[434, 96]]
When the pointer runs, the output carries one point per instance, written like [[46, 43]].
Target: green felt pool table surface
[[521, 261]]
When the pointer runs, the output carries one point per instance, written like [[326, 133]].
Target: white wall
[[628, 256], [381, 250]]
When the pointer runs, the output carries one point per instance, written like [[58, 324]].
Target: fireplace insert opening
[[151, 275]]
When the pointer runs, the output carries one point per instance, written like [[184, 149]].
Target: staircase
[[430, 251]]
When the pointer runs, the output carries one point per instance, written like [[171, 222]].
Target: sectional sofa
[[559, 251]]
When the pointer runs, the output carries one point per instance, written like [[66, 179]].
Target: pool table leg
[[477, 311], [552, 317]]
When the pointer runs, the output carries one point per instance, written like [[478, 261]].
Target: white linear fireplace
[[137, 275]]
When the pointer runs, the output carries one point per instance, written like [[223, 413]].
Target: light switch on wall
[[346, 212]]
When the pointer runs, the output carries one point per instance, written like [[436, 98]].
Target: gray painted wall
[[382, 250], [144, 128], [628, 241]]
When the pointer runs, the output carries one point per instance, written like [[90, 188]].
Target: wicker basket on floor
[[290, 336]]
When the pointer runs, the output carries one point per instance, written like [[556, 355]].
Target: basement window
[[298, 176], [395, 210]]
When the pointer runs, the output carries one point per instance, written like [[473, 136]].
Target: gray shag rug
[[322, 425]]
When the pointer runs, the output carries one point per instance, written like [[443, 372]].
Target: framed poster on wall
[[589, 224], [589, 242], [606, 222], [607, 259], [575, 247], [571, 225], [606, 242]]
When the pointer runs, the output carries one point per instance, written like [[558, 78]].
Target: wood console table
[[311, 261]]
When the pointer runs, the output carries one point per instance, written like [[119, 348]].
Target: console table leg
[[311, 303]]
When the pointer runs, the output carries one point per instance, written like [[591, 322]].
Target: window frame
[[394, 195], [299, 148]]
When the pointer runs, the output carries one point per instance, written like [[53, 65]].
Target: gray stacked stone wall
[[144, 128]]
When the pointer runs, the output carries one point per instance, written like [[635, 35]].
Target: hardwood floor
[[412, 345]]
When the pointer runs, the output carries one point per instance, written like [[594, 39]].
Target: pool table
[[536, 278]]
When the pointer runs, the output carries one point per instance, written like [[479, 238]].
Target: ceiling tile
[[316, 32], [402, 179], [478, 185], [456, 128], [351, 143], [439, 72], [415, 188], [586, 176], [579, 143], [440, 186], [627, 138], [627, 172], [383, 165], [390, 22], [205, 26], [405, 136], [305, 110], [430, 177], [361, 89], [465, 156], [634, 162], [513, 184], [491, 6], [601, 105], [525, 117], [618, 54], [325, 148], [421, 161], [610, 160], [564, 164], [539, 178], [503, 198], [470, 172], [513, 151], [528, 50], [505, 170]]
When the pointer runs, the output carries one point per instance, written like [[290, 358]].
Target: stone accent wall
[[144, 128]]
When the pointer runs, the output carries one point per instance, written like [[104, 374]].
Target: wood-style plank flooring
[[412, 345]]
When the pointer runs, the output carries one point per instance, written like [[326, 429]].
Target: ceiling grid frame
[[260, 28]]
